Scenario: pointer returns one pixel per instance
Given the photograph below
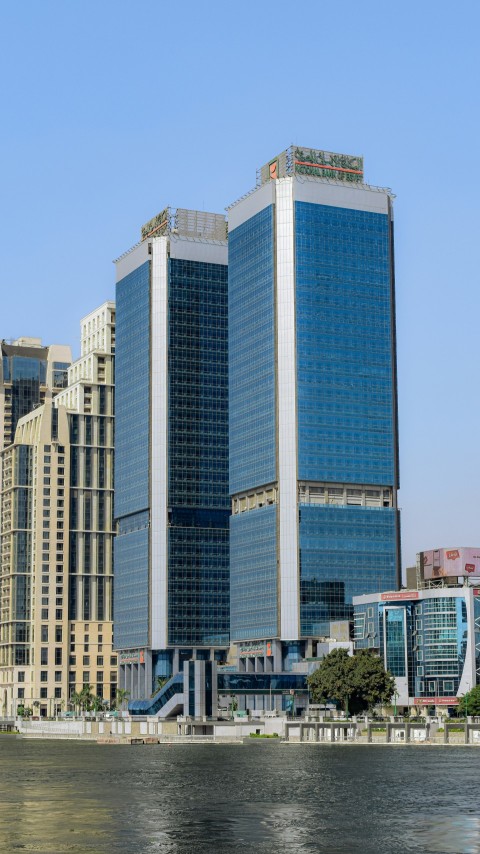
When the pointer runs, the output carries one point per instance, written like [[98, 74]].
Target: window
[[44, 676], [86, 677], [43, 693], [86, 659], [58, 614], [44, 655], [44, 614], [58, 676], [99, 675], [44, 634], [21, 693], [58, 655], [113, 660], [72, 660], [21, 676], [58, 693], [99, 660]]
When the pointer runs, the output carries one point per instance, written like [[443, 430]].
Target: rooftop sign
[[315, 163], [445, 563]]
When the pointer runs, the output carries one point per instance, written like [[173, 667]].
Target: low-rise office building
[[429, 635]]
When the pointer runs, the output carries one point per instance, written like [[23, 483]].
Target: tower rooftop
[[186, 223], [314, 162]]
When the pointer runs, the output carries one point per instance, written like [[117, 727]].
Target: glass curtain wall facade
[[172, 503], [429, 640], [29, 375], [313, 422]]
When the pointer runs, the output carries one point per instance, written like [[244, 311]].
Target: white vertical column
[[159, 445], [468, 677], [287, 411]]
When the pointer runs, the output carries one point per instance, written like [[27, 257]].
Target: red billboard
[[435, 701], [444, 563]]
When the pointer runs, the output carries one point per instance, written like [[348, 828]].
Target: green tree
[[86, 697], [76, 700], [121, 697], [82, 699], [469, 704], [97, 704], [333, 680], [355, 683], [372, 684]]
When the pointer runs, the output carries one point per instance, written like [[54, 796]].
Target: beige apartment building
[[57, 538]]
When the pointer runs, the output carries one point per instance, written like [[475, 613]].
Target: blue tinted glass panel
[[344, 552], [251, 343], [198, 385], [132, 392], [131, 589], [198, 534], [395, 641], [345, 365], [253, 571]]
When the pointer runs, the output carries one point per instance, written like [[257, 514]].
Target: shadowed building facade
[[171, 481]]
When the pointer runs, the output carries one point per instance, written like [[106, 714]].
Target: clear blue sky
[[110, 110]]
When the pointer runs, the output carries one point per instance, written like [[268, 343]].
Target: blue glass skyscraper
[[313, 420], [171, 600]]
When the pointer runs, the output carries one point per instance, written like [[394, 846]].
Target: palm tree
[[87, 697], [97, 704], [76, 700], [121, 696]]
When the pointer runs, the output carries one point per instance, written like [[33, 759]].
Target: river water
[[65, 797]]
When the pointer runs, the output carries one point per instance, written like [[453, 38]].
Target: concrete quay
[[305, 730]]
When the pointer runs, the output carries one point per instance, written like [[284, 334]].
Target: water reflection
[[77, 797]]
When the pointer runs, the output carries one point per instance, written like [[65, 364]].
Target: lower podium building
[[428, 635]]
